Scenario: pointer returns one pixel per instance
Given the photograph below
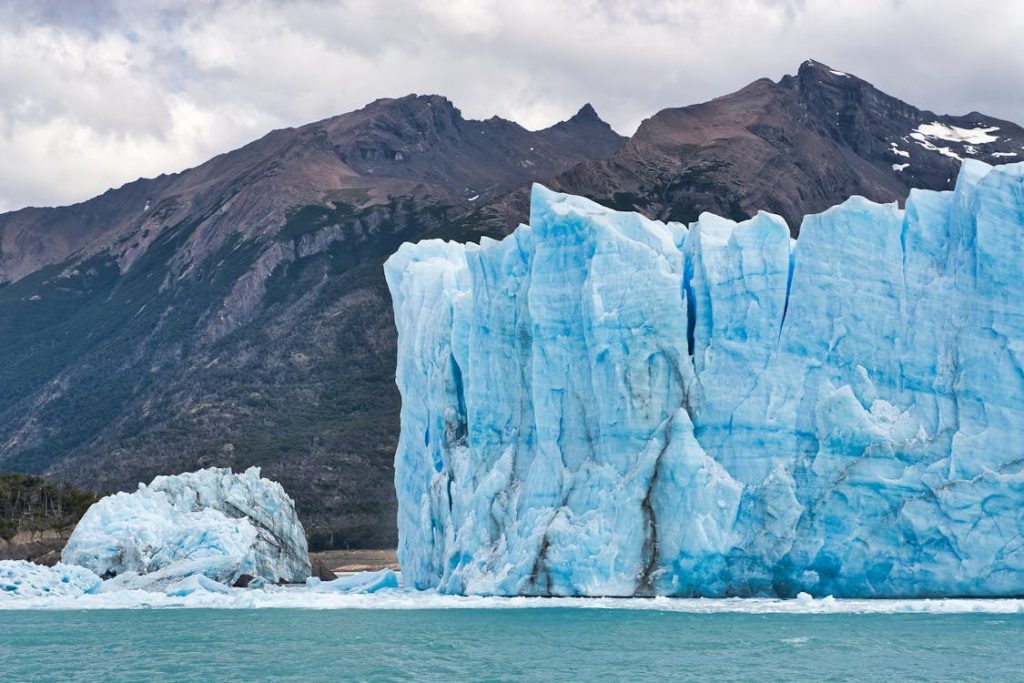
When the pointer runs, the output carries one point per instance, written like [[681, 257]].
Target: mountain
[[792, 147], [412, 146], [236, 314]]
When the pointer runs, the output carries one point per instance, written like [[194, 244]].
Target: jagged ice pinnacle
[[601, 404]]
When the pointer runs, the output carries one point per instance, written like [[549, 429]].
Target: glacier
[[604, 405], [211, 523]]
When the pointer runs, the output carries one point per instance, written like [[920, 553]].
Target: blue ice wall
[[601, 404]]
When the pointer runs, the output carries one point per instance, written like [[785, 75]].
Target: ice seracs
[[213, 523], [601, 404]]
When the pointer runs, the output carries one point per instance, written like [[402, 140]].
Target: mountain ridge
[[385, 127], [843, 137]]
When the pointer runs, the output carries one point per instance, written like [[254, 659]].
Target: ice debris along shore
[[604, 405], [291, 597], [198, 533]]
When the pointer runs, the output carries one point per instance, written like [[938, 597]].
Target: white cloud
[[99, 92]]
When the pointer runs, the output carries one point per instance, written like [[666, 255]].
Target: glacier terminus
[[605, 405]]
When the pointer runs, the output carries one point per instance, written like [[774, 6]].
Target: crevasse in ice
[[601, 404], [212, 523]]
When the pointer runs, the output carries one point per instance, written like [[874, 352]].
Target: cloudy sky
[[95, 93]]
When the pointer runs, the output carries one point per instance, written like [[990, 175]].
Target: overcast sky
[[95, 93]]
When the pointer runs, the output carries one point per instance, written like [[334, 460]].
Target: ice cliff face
[[600, 404], [212, 523]]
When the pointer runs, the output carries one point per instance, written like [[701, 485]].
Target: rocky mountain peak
[[585, 121], [585, 133], [413, 119], [408, 106], [586, 114], [814, 70], [825, 89]]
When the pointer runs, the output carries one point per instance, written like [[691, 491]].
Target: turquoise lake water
[[481, 644]]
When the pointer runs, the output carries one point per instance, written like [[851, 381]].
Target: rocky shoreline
[[330, 563], [41, 546]]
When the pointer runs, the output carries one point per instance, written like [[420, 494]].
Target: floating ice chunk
[[194, 583], [210, 522], [222, 568], [362, 582], [300, 598], [22, 580]]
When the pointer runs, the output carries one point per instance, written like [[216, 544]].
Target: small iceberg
[[21, 580], [194, 583], [362, 582], [213, 522]]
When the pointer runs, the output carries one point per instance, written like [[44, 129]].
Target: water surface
[[505, 644]]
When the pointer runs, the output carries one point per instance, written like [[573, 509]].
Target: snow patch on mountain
[[899, 152], [974, 136]]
